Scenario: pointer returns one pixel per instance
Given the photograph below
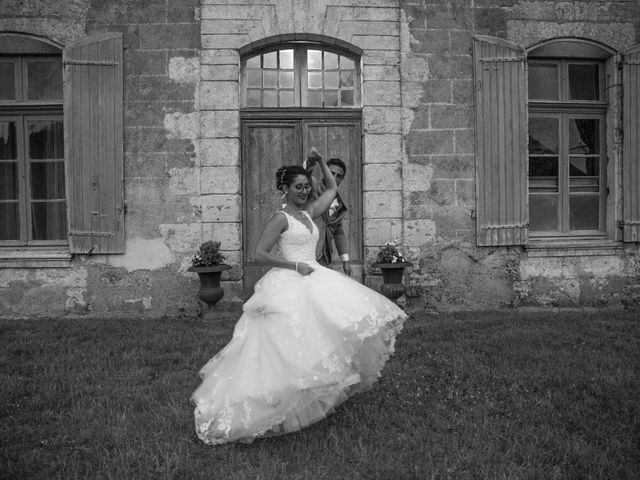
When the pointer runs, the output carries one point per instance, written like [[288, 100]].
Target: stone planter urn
[[210, 291], [392, 286]]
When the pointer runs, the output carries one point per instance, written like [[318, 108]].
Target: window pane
[[45, 139], [584, 212], [47, 180], [314, 59], [286, 79], [346, 63], [286, 59], [543, 81], [584, 167], [270, 98], [270, 78], [331, 80], [44, 80], [253, 62], [346, 97], [254, 98], [48, 221], [286, 98], [543, 167], [254, 78], [8, 180], [584, 82], [8, 147], [346, 78], [270, 60], [584, 136], [315, 79], [331, 98], [543, 212], [315, 99], [330, 61], [9, 221], [7, 81], [543, 135]]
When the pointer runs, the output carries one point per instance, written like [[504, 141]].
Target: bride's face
[[298, 191]]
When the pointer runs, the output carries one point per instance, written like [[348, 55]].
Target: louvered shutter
[[631, 145], [501, 142], [93, 116]]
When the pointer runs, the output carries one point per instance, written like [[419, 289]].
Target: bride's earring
[[283, 200]]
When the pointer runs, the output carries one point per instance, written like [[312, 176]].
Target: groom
[[330, 222]]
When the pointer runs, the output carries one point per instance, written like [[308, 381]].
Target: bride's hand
[[304, 268]]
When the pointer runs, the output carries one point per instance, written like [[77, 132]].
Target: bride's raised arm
[[323, 202]]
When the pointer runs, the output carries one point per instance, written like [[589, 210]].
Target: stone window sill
[[35, 258], [572, 248]]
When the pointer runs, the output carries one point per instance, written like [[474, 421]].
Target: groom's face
[[338, 173]]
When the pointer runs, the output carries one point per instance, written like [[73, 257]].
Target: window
[[556, 143], [61, 152], [301, 76], [567, 138], [32, 176]]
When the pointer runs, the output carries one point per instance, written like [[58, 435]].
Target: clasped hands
[[304, 268]]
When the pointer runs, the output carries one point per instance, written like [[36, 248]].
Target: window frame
[[21, 110], [300, 73], [565, 109]]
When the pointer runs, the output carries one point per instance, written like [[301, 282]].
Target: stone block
[[428, 142], [169, 36], [453, 166], [385, 94], [230, 12], [383, 148], [220, 95], [378, 231], [382, 176], [182, 238], [383, 73], [221, 208], [383, 204], [249, 26], [220, 123], [184, 69], [416, 177], [430, 41], [377, 42], [465, 141], [220, 151], [227, 233], [415, 15], [451, 221], [156, 88], [418, 232], [490, 21], [151, 139], [382, 119], [147, 113], [182, 181], [220, 72], [437, 91], [220, 57], [183, 11], [220, 180], [451, 116], [380, 57], [450, 66], [228, 41], [461, 42], [145, 62], [463, 92], [466, 193]]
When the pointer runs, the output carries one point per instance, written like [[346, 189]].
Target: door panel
[[269, 144], [266, 147]]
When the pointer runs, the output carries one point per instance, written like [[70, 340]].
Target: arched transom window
[[301, 76]]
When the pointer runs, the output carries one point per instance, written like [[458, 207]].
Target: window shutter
[[502, 216], [93, 116], [631, 145]]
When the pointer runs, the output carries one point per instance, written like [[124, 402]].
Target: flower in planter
[[208, 254], [390, 254]]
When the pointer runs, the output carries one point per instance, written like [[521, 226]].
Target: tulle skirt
[[303, 345]]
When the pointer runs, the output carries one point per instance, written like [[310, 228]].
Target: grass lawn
[[500, 395]]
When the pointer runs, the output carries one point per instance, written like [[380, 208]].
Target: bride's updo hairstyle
[[287, 174]]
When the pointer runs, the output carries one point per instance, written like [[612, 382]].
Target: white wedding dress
[[302, 346]]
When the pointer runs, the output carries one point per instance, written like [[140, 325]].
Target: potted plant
[[208, 263], [392, 262]]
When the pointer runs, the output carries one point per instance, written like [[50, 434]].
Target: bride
[[308, 339]]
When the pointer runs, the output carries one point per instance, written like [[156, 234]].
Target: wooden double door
[[269, 143]]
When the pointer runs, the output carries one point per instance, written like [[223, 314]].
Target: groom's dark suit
[[330, 228]]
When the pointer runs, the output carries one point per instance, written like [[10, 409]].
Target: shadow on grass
[[486, 395]]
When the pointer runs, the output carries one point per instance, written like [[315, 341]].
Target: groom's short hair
[[338, 162]]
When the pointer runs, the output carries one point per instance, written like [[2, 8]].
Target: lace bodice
[[297, 243]]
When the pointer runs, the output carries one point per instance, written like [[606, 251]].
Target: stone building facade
[[416, 151]]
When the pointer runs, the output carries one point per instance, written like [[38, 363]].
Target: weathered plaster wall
[[439, 165], [162, 177]]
